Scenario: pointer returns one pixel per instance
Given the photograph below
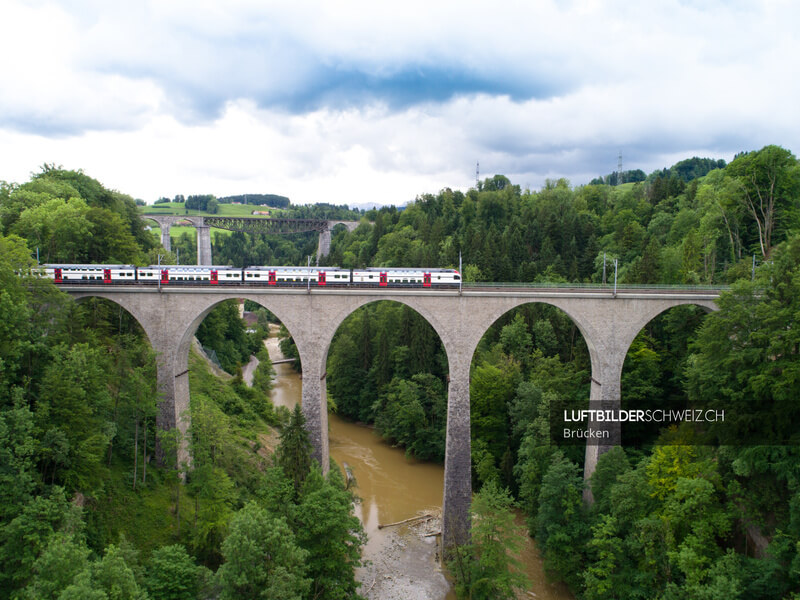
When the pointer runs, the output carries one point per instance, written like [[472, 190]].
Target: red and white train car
[[90, 273]]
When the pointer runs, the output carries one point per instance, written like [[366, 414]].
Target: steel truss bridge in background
[[268, 225]]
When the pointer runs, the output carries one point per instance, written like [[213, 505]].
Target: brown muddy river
[[392, 487]]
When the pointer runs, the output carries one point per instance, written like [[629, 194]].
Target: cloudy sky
[[351, 102]]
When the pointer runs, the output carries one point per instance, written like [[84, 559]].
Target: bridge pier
[[604, 394], [173, 410], [166, 241], [458, 458], [324, 244], [203, 245], [166, 336], [315, 404]]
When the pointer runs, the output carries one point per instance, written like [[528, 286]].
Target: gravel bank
[[406, 566]]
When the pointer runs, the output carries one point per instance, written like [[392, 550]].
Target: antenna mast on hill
[[619, 168], [477, 173]]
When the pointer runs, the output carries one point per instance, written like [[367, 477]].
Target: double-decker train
[[264, 275]]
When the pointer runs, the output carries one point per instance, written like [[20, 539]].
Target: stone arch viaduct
[[609, 323]]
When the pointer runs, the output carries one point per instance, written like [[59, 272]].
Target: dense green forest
[[86, 510]]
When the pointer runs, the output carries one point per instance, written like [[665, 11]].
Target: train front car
[[386, 277], [103, 274], [448, 278]]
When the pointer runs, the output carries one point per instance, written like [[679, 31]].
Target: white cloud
[[341, 101]]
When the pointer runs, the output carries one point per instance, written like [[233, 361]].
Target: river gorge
[[393, 488]]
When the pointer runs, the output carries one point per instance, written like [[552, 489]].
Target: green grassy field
[[225, 210], [177, 230]]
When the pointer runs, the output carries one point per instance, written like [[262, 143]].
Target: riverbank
[[406, 565]]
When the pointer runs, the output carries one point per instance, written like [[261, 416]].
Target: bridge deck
[[468, 291]]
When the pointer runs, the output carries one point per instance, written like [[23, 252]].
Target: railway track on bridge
[[700, 291]]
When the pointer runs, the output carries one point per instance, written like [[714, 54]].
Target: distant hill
[[616, 178], [685, 171], [690, 168]]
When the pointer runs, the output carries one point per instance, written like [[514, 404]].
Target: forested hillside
[[662, 230], [671, 519], [85, 509]]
